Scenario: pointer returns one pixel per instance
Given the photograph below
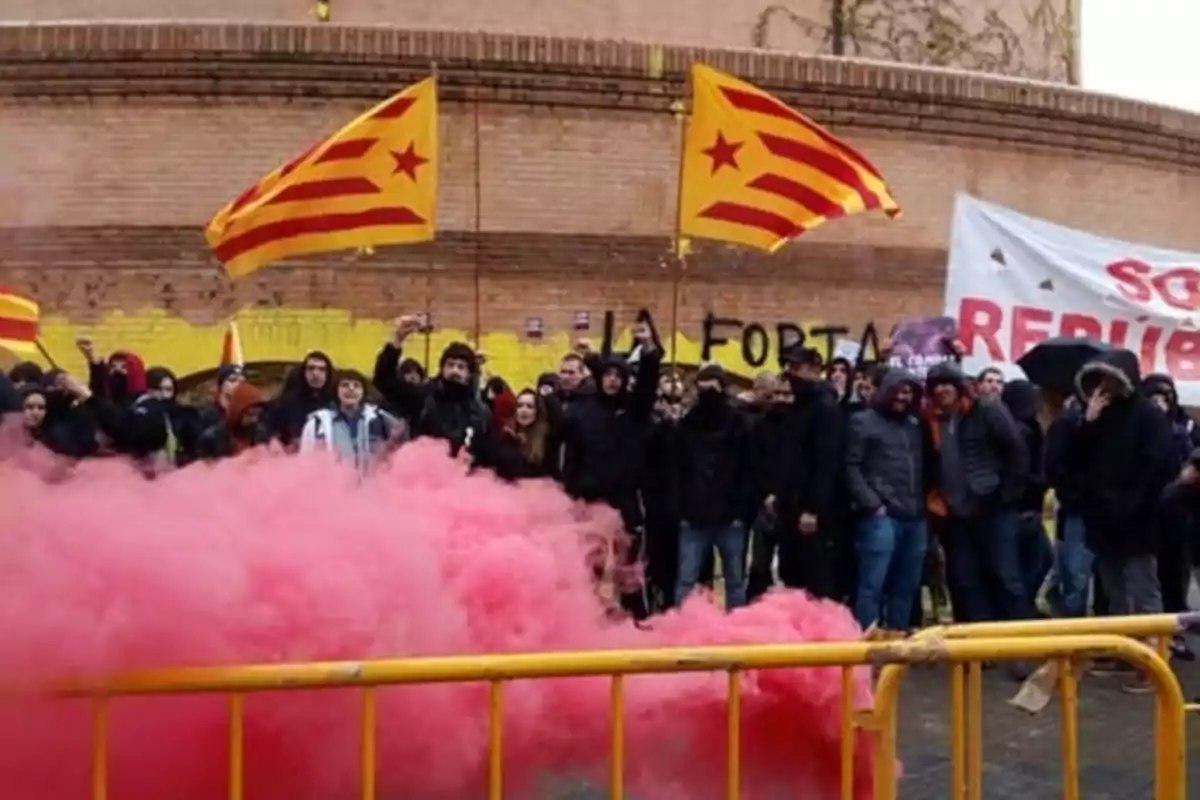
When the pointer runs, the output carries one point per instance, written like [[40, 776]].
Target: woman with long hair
[[522, 442]]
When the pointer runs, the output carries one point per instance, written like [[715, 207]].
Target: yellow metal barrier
[[238, 681], [966, 699]]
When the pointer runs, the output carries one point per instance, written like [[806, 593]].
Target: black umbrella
[[1053, 364]]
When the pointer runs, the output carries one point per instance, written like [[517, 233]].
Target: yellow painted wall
[[286, 334]]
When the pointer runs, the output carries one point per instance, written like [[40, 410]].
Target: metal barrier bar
[[616, 777], [369, 748], [848, 743], [1068, 695], [732, 660], [237, 767], [1156, 627]]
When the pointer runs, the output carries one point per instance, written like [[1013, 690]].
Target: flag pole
[[431, 258], [478, 209], [45, 353], [679, 111]]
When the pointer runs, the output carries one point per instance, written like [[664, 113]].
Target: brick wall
[[1032, 38], [121, 142]]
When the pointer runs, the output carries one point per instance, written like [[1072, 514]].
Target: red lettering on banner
[[1149, 349], [1179, 288], [1183, 356], [1081, 325], [980, 318], [1024, 335], [1128, 274], [1119, 333]]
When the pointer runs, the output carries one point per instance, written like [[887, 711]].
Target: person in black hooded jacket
[[1122, 451], [307, 388], [1037, 556], [1174, 561], [714, 484], [447, 407], [800, 489], [605, 437]]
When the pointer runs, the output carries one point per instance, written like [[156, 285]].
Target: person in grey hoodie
[[885, 477], [356, 432]]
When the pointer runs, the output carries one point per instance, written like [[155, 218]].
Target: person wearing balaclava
[[1122, 450], [448, 407], [120, 380], [799, 494], [604, 442], [714, 484], [308, 387]]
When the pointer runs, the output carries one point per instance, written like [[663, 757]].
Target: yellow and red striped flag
[[18, 323], [231, 347], [757, 173], [374, 182]]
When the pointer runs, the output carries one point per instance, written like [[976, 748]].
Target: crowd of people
[[859, 483]]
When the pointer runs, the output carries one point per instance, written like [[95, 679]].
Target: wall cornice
[[212, 62]]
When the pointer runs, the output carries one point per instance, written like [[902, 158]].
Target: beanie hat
[[460, 351], [227, 371], [712, 372]]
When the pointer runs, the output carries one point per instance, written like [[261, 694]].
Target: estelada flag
[[374, 182], [757, 173], [231, 347], [18, 323]]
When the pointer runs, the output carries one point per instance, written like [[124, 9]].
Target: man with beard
[[810, 461], [306, 389], [605, 434], [447, 407], [714, 485], [886, 486]]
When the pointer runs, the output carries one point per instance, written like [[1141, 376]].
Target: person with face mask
[[885, 478], [120, 380], [766, 462], [604, 440], [356, 432], [448, 407], [714, 486], [800, 492], [978, 466]]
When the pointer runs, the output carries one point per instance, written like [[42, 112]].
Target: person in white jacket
[[356, 432]]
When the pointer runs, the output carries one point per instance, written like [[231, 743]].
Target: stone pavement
[[1021, 751]]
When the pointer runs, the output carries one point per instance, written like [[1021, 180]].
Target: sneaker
[[1138, 685], [1107, 668]]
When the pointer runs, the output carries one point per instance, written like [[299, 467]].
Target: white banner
[[1014, 281]]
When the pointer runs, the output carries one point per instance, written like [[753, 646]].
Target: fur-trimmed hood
[[1119, 364]]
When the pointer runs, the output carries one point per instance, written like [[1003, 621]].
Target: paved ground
[[1021, 751]]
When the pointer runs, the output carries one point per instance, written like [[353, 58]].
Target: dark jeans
[[983, 568], [761, 550], [806, 561], [696, 543], [891, 559], [1174, 561]]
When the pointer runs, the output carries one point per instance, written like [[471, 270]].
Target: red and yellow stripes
[[758, 173], [372, 183], [18, 323]]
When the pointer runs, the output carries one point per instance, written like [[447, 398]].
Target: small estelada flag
[[231, 347], [374, 182], [757, 173], [18, 323]]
